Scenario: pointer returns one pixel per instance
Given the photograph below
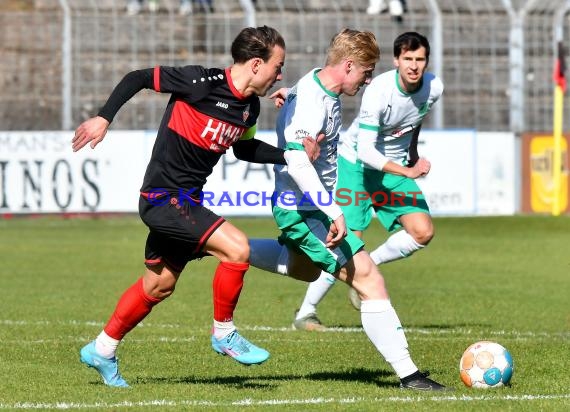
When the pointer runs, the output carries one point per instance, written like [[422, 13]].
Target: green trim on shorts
[[393, 196], [298, 236], [294, 146]]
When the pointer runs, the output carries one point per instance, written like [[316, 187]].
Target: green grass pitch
[[505, 279]]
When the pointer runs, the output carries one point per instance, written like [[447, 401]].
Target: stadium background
[[61, 58], [483, 278]]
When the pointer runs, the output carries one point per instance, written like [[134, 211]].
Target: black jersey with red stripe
[[205, 115]]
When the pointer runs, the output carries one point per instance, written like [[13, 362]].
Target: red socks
[[135, 304], [132, 308], [228, 281]]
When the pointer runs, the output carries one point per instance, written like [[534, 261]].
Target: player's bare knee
[[164, 293], [159, 281], [239, 256], [427, 237], [423, 235], [238, 252], [368, 281], [161, 289]]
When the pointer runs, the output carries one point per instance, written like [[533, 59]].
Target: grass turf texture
[[503, 279]]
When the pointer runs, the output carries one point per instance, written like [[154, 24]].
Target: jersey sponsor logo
[[222, 105], [220, 134], [245, 113], [401, 132], [300, 134], [203, 130]]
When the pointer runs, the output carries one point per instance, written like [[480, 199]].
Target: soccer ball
[[486, 365]]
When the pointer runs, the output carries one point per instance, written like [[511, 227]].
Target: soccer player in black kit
[[209, 111]]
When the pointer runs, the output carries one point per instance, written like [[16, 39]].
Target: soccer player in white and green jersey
[[378, 162], [314, 236]]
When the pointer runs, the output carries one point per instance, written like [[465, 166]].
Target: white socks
[[269, 255], [222, 329], [106, 346], [315, 293], [400, 245], [383, 328], [379, 319]]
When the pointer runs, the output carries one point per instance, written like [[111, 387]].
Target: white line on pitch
[[411, 330], [252, 402]]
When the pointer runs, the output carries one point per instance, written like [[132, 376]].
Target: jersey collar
[[235, 91], [327, 91], [402, 90]]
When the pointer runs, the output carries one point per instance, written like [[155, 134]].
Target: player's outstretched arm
[[257, 151], [91, 131]]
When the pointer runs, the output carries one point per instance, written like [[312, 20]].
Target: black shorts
[[178, 231]]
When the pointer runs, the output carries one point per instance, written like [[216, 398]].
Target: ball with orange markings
[[486, 364]]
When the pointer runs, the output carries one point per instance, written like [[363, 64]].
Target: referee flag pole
[[559, 90]]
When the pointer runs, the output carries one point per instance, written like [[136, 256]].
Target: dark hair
[[410, 41], [256, 42]]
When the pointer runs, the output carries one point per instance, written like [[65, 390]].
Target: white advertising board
[[496, 174], [472, 173], [39, 173], [450, 185]]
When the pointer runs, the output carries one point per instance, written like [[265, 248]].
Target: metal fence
[[61, 58]]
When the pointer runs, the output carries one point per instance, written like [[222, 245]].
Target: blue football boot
[[239, 348], [107, 368]]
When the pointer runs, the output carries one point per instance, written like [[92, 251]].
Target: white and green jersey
[[391, 114], [310, 109]]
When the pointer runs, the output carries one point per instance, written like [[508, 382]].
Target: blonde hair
[[354, 44]]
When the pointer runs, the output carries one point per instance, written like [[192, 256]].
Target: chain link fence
[[61, 58]]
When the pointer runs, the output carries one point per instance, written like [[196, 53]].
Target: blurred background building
[[61, 58]]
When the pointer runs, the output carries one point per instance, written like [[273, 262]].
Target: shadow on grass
[[368, 376]]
